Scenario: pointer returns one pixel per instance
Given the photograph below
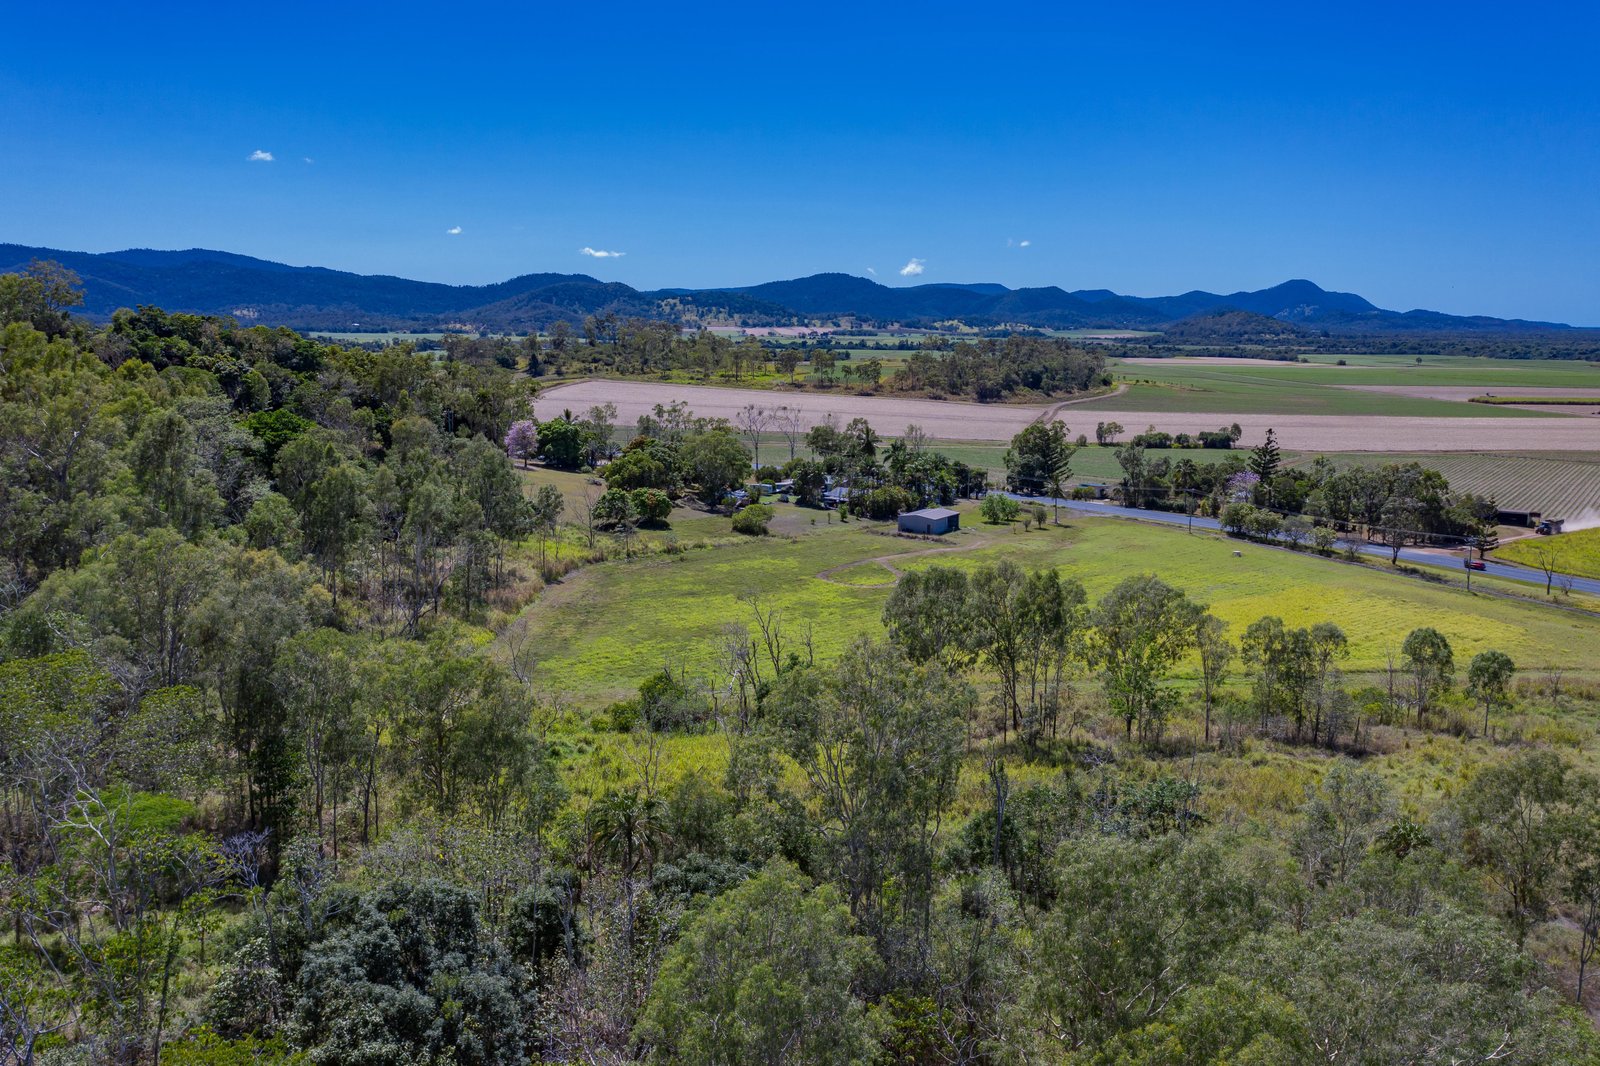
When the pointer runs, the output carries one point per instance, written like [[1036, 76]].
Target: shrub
[[651, 505], [752, 521], [883, 503], [997, 509], [1237, 518], [1265, 524], [613, 508]]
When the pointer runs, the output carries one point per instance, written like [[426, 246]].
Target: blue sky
[[1423, 154]]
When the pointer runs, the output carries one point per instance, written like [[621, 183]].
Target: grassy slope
[[606, 628], [1577, 553]]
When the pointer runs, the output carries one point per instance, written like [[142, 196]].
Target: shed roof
[[933, 512]]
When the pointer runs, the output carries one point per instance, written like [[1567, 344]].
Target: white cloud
[[453, 230], [308, 159], [1023, 244], [258, 156], [600, 253], [913, 268], [874, 273], [1016, 244]]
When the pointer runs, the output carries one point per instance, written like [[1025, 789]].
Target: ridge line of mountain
[[208, 281]]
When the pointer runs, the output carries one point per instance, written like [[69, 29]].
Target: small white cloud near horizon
[[600, 253], [1017, 244], [258, 156], [308, 159], [913, 268], [1023, 244], [453, 230]]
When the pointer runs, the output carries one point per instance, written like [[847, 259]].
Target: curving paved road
[[1410, 555]]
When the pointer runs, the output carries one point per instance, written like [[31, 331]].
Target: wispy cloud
[[874, 273], [453, 230], [1023, 244], [308, 159], [600, 253], [913, 268], [258, 156], [1017, 244]]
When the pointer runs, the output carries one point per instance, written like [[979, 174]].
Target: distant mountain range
[[263, 292]]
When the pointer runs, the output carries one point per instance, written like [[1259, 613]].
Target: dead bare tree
[[521, 657], [1545, 559], [752, 422], [769, 620], [792, 424]]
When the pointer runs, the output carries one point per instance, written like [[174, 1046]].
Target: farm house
[[930, 521]]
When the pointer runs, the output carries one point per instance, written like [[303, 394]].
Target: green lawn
[[1573, 553], [606, 628]]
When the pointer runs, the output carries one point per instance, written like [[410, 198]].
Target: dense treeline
[[985, 370], [270, 792], [992, 369], [1256, 493], [1582, 344]]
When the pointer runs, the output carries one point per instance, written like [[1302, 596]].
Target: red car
[[1474, 564]]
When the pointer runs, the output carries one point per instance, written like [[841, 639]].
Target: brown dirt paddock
[[888, 414], [1000, 422]]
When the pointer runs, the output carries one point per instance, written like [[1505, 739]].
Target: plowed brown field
[[889, 415]]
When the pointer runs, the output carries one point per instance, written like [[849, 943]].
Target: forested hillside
[[281, 780], [223, 283]]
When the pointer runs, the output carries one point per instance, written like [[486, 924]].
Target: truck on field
[[1549, 526]]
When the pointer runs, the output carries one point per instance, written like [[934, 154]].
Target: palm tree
[[628, 827]]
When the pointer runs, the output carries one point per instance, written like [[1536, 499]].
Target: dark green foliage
[[561, 442], [275, 429], [614, 508], [666, 702], [809, 482], [1039, 459], [996, 369], [882, 504], [409, 976], [651, 505], [716, 461], [543, 922]]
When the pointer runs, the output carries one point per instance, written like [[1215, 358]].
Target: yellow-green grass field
[[604, 629], [1573, 553]]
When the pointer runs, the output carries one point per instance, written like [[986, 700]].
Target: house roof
[[931, 512]]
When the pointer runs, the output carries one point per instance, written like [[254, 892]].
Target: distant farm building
[[1518, 518], [930, 521]]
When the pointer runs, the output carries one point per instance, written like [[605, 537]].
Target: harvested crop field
[[1000, 422], [888, 414]]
